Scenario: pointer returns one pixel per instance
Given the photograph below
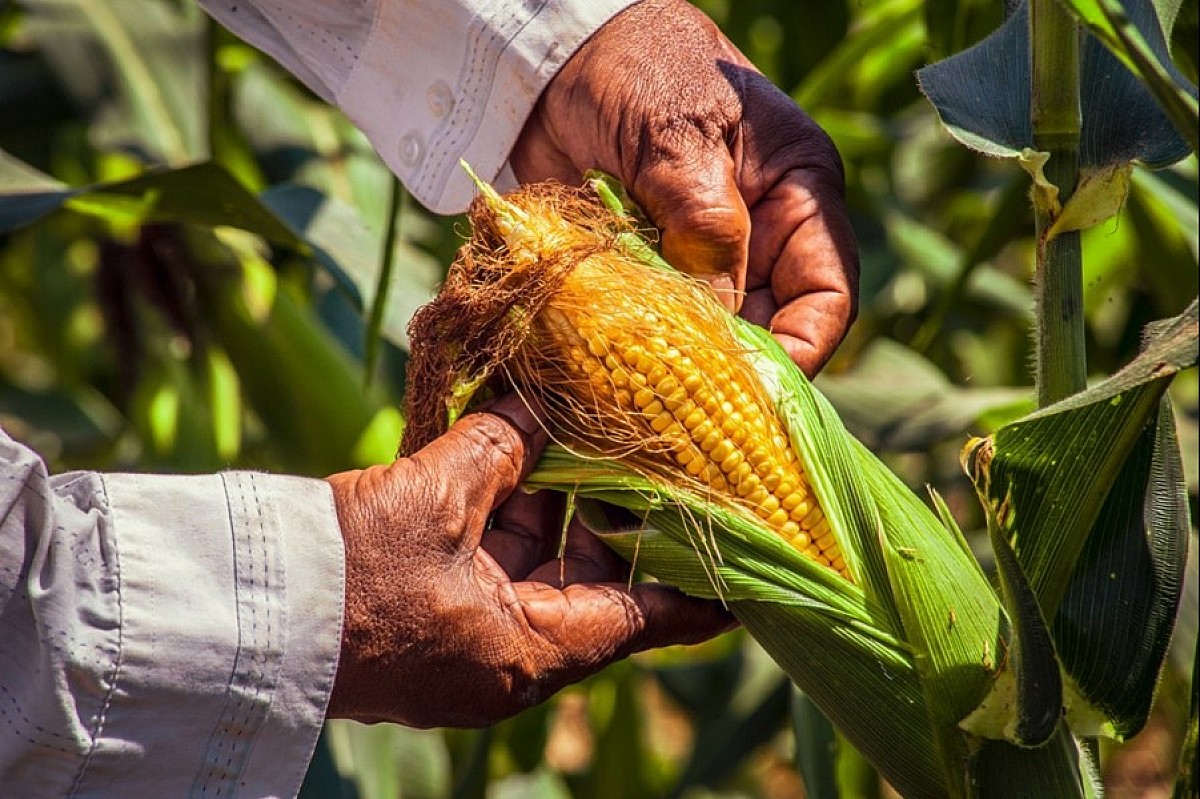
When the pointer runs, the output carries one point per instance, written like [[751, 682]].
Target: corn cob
[[706, 420], [639, 363]]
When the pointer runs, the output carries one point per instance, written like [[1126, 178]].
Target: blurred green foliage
[[149, 321]]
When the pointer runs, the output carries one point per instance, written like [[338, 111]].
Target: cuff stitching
[[253, 679]]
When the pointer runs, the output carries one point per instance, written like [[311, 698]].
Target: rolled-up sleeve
[[163, 635], [429, 82]]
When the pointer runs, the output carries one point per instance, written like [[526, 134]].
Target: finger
[[485, 455], [588, 625], [688, 188], [804, 249], [525, 532], [585, 559]]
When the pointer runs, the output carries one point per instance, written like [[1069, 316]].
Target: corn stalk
[[1087, 511], [1061, 366]]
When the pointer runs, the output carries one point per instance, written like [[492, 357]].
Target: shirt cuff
[[231, 599], [426, 100]]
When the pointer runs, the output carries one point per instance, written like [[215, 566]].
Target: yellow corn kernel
[[748, 484], [757, 497], [675, 398], [721, 451], [777, 519], [708, 422]]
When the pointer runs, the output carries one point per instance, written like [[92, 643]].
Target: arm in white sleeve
[[163, 636], [429, 82]]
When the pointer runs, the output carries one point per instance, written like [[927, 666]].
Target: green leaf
[[204, 194], [17, 177], [82, 419], [921, 406], [145, 90], [1117, 616], [982, 96], [1060, 769], [543, 783], [26, 194], [386, 760], [619, 765], [878, 28], [1055, 467], [723, 743], [1187, 784], [1133, 32], [1163, 220], [703, 688], [306, 389], [982, 93], [349, 248], [524, 736], [1025, 704], [1089, 494], [322, 780], [934, 256], [877, 705], [1099, 195], [954, 25]]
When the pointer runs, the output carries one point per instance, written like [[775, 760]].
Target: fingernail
[[722, 285]]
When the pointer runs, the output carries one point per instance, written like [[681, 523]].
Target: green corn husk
[[897, 658]]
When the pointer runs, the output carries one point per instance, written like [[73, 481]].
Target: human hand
[[452, 623], [747, 190]]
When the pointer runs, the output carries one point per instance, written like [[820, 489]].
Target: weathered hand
[[452, 623], [746, 189]]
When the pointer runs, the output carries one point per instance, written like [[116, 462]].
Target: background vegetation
[[190, 244]]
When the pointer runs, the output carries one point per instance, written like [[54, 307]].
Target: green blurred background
[[190, 245]]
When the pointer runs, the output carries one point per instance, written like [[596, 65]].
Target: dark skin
[[452, 620], [746, 189]]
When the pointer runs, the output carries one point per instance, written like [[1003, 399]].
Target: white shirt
[[179, 636], [428, 81], [163, 636]]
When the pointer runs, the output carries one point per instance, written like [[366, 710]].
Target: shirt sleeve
[[163, 635], [429, 82]]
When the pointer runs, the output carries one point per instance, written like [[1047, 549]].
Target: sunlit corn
[[700, 416], [632, 363]]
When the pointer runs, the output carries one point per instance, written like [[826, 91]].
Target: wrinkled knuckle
[[680, 136], [495, 441]]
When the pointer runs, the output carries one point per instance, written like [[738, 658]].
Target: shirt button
[[411, 148], [440, 99]]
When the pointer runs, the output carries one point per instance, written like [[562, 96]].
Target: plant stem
[[374, 331], [1056, 118]]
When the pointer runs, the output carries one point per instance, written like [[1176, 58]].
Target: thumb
[[692, 196], [586, 626], [486, 454]]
